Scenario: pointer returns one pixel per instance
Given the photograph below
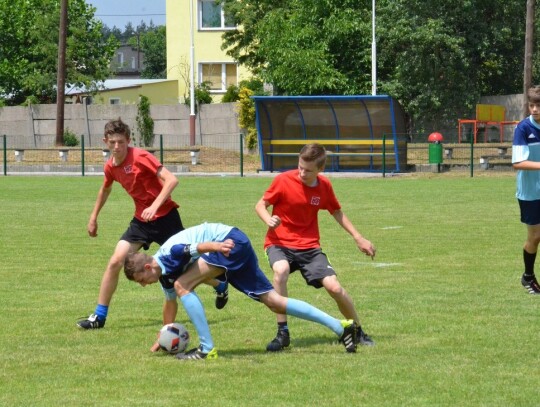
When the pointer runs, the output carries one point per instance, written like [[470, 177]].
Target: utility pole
[[527, 68], [61, 73]]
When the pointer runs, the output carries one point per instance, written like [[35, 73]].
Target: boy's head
[[117, 127], [315, 153], [117, 137], [533, 98], [138, 268], [311, 161]]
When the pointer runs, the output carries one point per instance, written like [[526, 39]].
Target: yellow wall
[[207, 46], [162, 93]]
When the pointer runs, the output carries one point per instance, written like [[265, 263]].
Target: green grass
[[442, 300]]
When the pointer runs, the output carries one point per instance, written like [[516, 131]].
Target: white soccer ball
[[173, 338]]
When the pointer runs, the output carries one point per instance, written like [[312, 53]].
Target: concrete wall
[[513, 105], [35, 126]]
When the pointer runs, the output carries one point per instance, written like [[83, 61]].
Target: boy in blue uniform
[[207, 251], [526, 159]]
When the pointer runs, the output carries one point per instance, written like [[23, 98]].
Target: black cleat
[[348, 338], [92, 322], [222, 298], [531, 285], [197, 354], [363, 338], [281, 341]]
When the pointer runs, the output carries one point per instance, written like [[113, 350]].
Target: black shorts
[[312, 263], [530, 212], [156, 231]]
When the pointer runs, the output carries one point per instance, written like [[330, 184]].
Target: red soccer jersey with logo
[[298, 205], [138, 175]]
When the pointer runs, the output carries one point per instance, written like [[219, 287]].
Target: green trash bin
[[435, 153]]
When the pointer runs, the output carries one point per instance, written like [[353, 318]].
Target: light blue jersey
[[180, 250], [526, 147]]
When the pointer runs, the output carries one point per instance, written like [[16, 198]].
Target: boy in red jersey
[[156, 217], [292, 241]]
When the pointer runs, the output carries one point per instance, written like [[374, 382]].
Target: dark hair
[[314, 153], [117, 127], [533, 94]]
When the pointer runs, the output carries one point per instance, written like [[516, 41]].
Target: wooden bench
[[335, 155]]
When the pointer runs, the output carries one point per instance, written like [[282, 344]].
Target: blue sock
[[222, 286], [102, 311], [303, 310], [195, 310]]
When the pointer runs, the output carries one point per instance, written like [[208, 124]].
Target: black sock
[[529, 259]]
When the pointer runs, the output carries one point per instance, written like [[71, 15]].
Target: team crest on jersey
[[315, 200], [128, 169]]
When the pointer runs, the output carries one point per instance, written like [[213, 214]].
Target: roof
[[112, 84]]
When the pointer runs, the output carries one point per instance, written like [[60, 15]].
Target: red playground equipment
[[487, 116]]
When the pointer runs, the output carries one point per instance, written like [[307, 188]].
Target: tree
[[437, 58], [29, 44], [153, 44]]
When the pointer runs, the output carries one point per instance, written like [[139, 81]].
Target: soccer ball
[[173, 338]]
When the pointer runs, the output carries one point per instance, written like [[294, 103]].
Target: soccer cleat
[[281, 341], [222, 298], [348, 338], [531, 286], [92, 322], [363, 338], [197, 354]]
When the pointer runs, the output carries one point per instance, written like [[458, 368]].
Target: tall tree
[[437, 58], [29, 44]]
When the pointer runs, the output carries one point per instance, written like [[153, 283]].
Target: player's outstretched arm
[[364, 245]]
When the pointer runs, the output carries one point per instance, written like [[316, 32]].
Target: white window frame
[[223, 74], [222, 27], [115, 101], [120, 58]]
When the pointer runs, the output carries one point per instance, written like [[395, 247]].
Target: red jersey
[[138, 175], [298, 205]]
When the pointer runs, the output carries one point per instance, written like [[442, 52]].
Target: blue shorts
[[530, 212], [242, 269]]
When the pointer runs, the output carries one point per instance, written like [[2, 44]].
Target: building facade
[[201, 31]]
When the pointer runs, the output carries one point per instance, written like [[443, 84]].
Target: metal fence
[[231, 157], [223, 156]]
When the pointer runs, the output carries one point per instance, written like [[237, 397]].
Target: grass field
[[442, 299]]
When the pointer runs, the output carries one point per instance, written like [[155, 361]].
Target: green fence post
[[241, 155], [384, 155], [5, 156], [472, 154], [82, 154]]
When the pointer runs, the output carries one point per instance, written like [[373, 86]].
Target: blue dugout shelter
[[359, 132]]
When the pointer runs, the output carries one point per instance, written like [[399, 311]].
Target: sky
[[119, 12]]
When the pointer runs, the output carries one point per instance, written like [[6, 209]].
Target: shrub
[[246, 116], [70, 138], [145, 123]]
